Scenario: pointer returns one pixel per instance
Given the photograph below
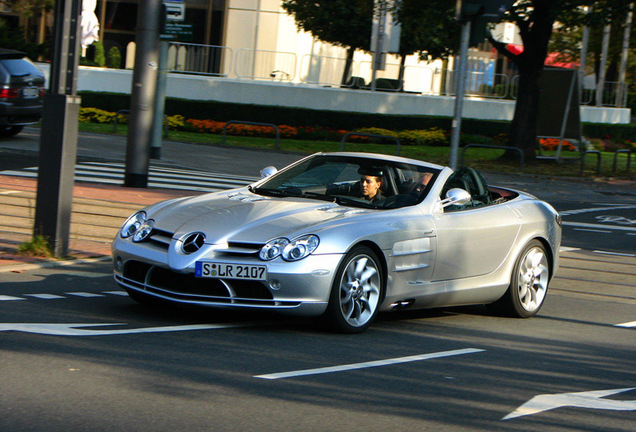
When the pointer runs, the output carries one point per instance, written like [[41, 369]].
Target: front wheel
[[528, 284], [356, 292]]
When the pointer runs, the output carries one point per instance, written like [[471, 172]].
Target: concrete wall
[[320, 98]]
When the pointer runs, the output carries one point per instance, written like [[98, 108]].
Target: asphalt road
[[77, 354]]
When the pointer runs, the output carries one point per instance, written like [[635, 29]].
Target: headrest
[[371, 171]]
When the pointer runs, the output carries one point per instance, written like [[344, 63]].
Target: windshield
[[353, 181]]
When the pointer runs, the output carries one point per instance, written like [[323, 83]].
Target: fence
[[327, 71]]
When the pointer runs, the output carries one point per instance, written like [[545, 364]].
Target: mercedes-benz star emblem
[[193, 242]]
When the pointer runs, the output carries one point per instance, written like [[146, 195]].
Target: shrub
[[99, 58], [113, 60], [431, 137]]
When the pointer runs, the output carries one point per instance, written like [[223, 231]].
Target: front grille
[[160, 238], [185, 287]]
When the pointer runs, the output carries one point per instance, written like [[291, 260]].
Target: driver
[[371, 184]]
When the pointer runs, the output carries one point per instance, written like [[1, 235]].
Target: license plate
[[230, 271], [30, 92]]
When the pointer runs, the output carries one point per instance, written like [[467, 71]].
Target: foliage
[[550, 144], [30, 8], [113, 59], [427, 27], [12, 37], [345, 23], [38, 247], [100, 58]]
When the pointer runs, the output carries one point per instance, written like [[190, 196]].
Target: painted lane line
[[10, 298], [591, 210], [117, 293], [78, 330], [568, 249], [84, 294], [377, 363], [45, 296], [627, 324], [613, 253], [592, 230], [598, 226]]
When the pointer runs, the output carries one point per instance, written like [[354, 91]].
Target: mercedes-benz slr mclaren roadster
[[344, 236]]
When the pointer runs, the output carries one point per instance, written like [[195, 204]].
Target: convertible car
[[343, 236]]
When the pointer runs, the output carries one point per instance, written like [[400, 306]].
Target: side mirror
[[268, 171], [456, 196]]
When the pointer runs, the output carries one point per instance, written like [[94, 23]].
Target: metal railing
[[200, 59], [265, 65], [327, 71], [515, 149]]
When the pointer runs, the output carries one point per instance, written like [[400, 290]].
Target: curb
[[19, 268]]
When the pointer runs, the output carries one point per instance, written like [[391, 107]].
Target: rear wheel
[[528, 284], [356, 291], [9, 131]]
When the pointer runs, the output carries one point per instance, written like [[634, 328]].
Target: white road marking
[[568, 249], [10, 298], [45, 296], [591, 399], [77, 330], [598, 226], [377, 363], [592, 230], [117, 293], [627, 324], [613, 253], [84, 294], [590, 210]]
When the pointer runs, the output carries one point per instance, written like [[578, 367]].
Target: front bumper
[[298, 288]]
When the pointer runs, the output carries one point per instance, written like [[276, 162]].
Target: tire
[[141, 297], [356, 292], [528, 283], [9, 131]]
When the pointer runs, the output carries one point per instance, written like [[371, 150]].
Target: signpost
[[58, 135]]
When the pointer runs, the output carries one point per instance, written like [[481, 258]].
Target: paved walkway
[[98, 212]]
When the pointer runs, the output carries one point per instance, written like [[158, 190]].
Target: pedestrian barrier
[[390, 138], [629, 158], [598, 160], [515, 149], [253, 124]]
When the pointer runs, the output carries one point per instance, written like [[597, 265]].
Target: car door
[[473, 241]]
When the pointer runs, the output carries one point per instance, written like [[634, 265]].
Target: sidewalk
[[98, 212]]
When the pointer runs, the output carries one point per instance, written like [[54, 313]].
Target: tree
[[427, 28], [345, 23], [535, 20]]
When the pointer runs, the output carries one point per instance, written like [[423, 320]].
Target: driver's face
[[370, 186]]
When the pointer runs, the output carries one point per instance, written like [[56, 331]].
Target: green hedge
[[224, 111]]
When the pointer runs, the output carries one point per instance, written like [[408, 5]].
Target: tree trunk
[[536, 35], [347, 70]]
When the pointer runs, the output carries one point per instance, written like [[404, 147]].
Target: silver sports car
[[344, 236]]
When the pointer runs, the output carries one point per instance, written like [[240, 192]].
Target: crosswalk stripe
[[158, 177]]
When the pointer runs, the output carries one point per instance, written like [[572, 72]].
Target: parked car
[[308, 240], [21, 92]]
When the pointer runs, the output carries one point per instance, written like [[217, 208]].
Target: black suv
[[21, 92]]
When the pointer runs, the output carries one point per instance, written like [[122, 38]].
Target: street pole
[[58, 134], [460, 79], [144, 87]]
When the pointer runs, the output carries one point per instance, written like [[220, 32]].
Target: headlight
[[144, 230], [132, 224], [273, 248], [300, 248]]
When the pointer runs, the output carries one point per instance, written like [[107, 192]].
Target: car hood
[[246, 217]]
